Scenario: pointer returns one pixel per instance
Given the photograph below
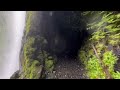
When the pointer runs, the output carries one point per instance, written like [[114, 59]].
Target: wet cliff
[[92, 38], [49, 35]]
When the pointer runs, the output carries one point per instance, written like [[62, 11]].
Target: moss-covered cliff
[[36, 62], [47, 36]]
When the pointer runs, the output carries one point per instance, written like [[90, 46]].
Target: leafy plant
[[105, 30], [109, 60], [116, 75], [95, 71]]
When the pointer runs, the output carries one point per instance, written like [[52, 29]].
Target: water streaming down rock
[[11, 31]]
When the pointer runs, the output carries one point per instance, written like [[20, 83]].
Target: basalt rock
[[16, 75]]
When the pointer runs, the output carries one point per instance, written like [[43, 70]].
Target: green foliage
[[106, 27], [105, 30], [95, 71], [116, 75], [98, 35], [109, 60], [114, 39], [94, 68]]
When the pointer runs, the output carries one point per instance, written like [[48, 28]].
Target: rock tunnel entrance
[[64, 31], [69, 33], [58, 34], [73, 42]]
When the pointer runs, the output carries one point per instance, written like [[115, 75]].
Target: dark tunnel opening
[[73, 31], [74, 41]]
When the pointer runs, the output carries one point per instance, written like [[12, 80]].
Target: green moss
[[48, 62], [28, 48], [28, 22], [35, 58], [31, 67], [49, 65], [34, 69]]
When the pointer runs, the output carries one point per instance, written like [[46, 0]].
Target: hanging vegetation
[[98, 58]]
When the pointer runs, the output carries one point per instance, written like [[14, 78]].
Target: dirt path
[[69, 69]]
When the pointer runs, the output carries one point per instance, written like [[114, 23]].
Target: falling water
[[11, 31]]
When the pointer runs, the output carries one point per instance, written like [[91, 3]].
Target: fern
[[106, 30]]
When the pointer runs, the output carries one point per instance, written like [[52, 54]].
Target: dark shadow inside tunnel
[[71, 31], [74, 41]]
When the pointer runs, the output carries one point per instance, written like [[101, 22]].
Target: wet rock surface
[[15, 75]]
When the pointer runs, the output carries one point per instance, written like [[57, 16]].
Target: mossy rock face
[[31, 70], [49, 65]]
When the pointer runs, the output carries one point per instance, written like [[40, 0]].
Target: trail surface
[[69, 69]]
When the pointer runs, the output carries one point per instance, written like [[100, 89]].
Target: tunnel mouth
[[64, 35], [71, 30], [74, 40], [73, 44]]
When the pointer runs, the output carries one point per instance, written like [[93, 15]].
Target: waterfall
[[12, 25]]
